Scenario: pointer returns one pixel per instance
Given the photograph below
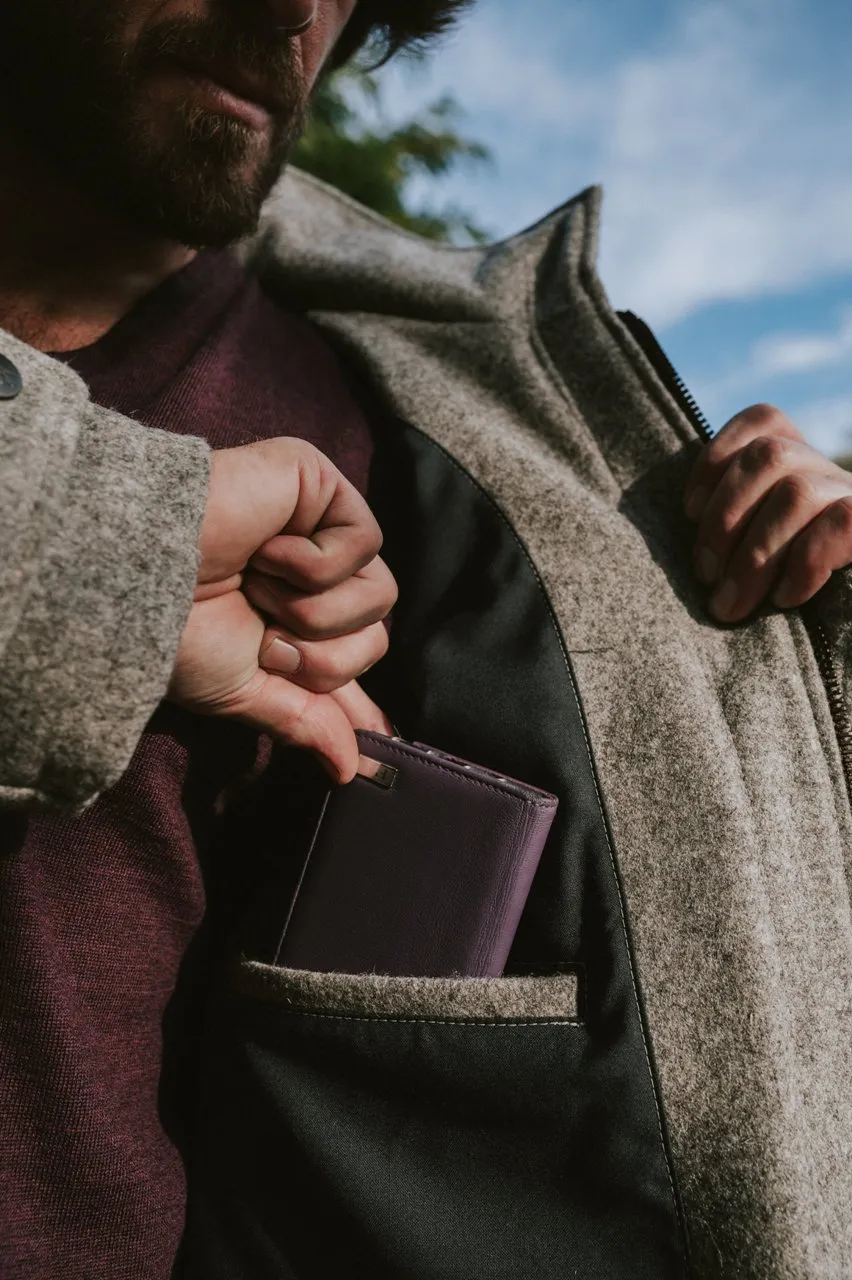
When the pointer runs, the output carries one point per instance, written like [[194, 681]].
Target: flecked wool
[[717, 754], [551, 998], [99, 523]]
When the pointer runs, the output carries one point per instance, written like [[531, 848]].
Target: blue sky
[[721, 131]]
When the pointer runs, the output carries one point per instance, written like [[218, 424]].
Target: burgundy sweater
[[104, 965]]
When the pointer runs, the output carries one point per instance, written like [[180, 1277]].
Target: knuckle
[[763, 453], [715, 453], [727, 525], [761, 415], [362, 529], [321, 672], [306, 617], [372, 535], [754, 561], [381, 642], [336, 668], [795, 491], [389, 589], [353, 555], [306, 456], [324, 574], [364, 551], [840, 514]]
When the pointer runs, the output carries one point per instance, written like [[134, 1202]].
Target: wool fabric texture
[[718, 756]]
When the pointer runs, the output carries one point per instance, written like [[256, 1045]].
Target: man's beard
[[193, 176]]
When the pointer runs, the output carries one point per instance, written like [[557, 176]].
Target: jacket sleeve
[[99, 525]]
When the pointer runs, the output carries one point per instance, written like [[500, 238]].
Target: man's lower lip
[[223, 101]]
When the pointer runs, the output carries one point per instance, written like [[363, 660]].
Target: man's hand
[[774, 515], [285, 532]]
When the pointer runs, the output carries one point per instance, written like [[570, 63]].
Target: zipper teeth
[[697, 413], [818, 636], [666, 371], [670, 377], [834, 691]]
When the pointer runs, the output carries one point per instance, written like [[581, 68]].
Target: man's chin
[[204, 194], [208, 228], [198, 223], [198, 178]]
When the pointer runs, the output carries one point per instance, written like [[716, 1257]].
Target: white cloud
[[724, 179], [720, 143], [785, 353], [517, 98]]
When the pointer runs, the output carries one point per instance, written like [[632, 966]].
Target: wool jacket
[[677, 1031]]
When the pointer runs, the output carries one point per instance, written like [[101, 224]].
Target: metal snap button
[[10, 380]]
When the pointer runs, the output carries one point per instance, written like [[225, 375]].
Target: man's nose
[[293, 16]]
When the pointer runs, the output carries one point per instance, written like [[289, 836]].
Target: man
[[659, 1086]]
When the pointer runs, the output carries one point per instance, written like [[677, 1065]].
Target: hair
[[389, 26]]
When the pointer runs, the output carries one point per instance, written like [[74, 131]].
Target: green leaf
[[348, 144]]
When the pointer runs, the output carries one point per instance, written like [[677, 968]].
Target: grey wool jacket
[[720, 756]]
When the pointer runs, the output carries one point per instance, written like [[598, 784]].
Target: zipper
[[666, 371], [833, 686], [817, 634]]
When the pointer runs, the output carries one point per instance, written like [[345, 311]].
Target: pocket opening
[[517, 1001]]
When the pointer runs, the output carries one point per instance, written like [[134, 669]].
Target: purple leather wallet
[[421, 866]]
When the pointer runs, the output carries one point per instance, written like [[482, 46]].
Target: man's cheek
[[316, 45]]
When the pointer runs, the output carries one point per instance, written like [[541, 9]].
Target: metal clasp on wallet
[[383, 775]]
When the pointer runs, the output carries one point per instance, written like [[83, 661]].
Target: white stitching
[[433, 1022]]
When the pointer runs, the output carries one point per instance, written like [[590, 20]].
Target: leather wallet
[[421, 866]]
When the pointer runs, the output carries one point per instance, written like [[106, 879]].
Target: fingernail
[[696, 503], [707, 563], [725, 599], [282, 657]]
